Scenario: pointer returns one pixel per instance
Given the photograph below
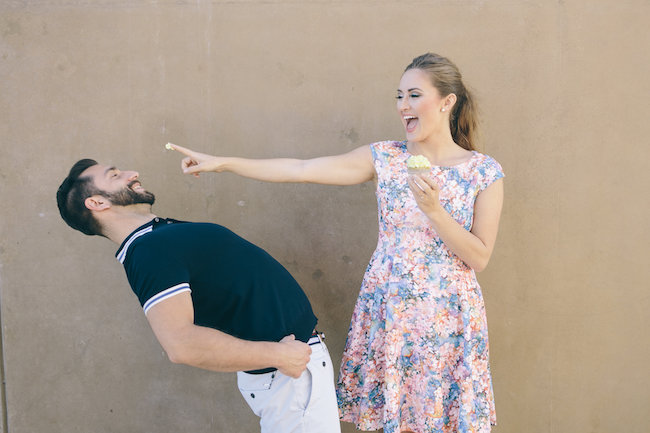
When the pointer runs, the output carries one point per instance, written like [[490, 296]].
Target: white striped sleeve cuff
[[166, 294]]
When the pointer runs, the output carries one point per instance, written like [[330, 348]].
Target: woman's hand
[[473, 247], [426, 192], [194, 162]]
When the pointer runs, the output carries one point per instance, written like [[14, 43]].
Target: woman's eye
[[415, 95], [399, 97]]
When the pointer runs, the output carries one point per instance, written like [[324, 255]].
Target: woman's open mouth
[[411, 123]]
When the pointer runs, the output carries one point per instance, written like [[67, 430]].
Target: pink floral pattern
[[416, 357]]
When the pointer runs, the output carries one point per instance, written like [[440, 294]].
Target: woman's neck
[[443, 152]]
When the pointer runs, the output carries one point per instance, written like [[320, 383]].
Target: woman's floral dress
[[416, 357]]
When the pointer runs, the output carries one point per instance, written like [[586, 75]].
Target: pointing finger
[[181, 149]]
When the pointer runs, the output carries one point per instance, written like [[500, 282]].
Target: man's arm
[[172, 321]]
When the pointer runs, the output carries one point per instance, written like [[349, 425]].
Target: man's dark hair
[[71, 197]]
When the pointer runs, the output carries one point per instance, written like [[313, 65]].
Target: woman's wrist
[[436, 214]]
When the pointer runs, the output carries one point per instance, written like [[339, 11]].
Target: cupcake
[[418, 164]]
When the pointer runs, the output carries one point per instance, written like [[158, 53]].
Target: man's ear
[[97, 203]]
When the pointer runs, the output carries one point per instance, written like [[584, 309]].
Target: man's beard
[[127, 196]]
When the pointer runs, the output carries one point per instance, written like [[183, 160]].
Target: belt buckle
[[319, 335]]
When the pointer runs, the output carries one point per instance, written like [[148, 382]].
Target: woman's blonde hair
[[445, 76]]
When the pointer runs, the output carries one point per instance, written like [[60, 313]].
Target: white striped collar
[[142, 230]]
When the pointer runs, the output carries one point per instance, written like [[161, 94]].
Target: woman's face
[[420, 106]]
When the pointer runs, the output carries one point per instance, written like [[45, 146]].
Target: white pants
[[287, 405]]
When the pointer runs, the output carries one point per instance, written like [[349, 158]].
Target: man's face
[[122, 188]]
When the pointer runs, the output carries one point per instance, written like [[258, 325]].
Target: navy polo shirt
[[236, 287]]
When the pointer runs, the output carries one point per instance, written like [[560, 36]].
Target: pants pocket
[[302, 390], [256, 389]]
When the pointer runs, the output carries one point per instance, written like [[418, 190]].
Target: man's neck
[[124, 220]]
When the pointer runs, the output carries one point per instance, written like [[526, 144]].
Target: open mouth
[[411, 123], [135, 186]]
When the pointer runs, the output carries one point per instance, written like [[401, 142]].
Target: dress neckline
[[471, 157]]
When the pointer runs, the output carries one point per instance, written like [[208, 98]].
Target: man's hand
[[294, 356]]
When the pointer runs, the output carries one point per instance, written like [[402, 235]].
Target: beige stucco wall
[[563, 87]]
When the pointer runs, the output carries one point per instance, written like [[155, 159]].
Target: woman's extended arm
[[473, 247], [349, 168]]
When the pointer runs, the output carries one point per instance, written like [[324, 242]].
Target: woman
[[416, 357]]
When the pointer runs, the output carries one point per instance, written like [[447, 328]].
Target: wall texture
[[563, 87]]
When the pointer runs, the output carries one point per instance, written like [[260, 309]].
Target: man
[[213, 299]]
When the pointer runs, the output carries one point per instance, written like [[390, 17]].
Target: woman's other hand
[[426, 192]]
